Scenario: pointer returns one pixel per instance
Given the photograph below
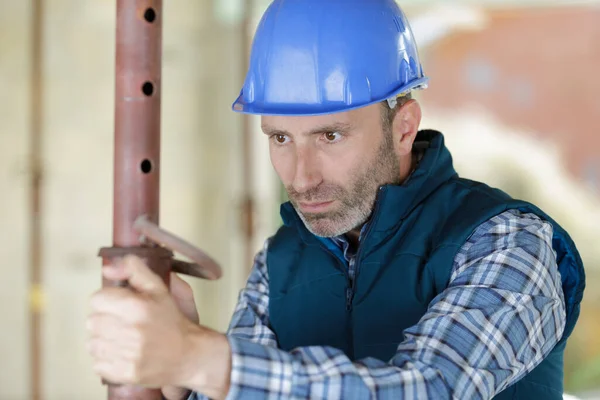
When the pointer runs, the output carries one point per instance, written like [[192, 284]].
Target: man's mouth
[[313, 207]]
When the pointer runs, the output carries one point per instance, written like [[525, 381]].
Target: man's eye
[[332, 136], [280, 139]]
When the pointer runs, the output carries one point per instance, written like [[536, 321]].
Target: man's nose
[[307, 175]]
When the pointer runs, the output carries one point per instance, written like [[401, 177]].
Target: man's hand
[[209, 353], [183, 295], [138, 335], [184, 298]]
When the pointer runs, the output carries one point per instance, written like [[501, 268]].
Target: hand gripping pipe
[[137, 162]]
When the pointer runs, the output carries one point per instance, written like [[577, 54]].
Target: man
[[391, 278]]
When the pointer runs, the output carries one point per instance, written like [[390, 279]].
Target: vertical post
[[137, 162], [137, 116], [35, 228], [137, 147]]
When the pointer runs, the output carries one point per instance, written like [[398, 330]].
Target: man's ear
[[405, 126]]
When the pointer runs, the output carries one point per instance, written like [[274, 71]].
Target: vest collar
[[396, 202]]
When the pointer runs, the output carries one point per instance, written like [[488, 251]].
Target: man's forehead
[[313, 124]]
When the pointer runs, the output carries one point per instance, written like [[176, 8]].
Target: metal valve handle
[[203, 266]]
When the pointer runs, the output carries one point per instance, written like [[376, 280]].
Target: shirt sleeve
[[501, 314], [250, 321]]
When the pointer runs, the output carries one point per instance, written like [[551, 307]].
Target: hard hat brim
[[240, 105]]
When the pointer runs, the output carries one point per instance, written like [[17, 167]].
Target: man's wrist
[[206, 367]]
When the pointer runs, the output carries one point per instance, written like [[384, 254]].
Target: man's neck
[[408, 165], [353, 237]]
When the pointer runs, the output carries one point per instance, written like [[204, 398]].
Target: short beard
[[358, 201]]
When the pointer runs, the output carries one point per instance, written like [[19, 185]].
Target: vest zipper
[[344, 268], [352, 282], [349, 296]]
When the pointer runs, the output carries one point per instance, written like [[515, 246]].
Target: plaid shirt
[[501, 314]]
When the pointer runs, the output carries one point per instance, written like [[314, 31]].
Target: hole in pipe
[[150, 15], [148, 88], [146, 166]]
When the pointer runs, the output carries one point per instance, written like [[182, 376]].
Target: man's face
[[332, 165]]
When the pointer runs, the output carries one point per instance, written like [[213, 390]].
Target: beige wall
[[201, 174], [13, 202]]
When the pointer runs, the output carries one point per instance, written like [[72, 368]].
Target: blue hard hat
[[314, 57]]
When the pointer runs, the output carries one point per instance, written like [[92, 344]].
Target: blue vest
[[403, 261]]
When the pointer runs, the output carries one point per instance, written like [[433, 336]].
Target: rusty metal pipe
[[137, 145], [137, 116], [137, 161]]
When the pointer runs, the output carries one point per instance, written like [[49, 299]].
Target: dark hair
[[388, 114]]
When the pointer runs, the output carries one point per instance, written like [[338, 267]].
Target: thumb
[[184, 298], [180, 288], [141, 278]]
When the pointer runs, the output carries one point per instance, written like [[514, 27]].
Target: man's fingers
[[120, 371], [119, 302], [112, 371], [102, 350], [115, 271], [175, 393], [135, 271], [141, 277], [105, 326]]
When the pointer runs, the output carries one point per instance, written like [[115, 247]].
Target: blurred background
[[514, 87]]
